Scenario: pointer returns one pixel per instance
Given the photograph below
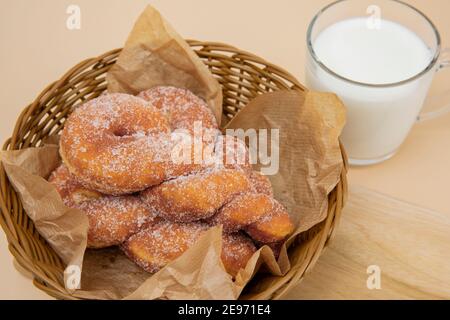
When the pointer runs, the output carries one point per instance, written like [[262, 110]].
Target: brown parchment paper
[[155, 54], [65, 229], [309, 125], [310, 163]]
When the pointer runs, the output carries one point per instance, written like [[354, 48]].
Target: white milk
[[378, 119]]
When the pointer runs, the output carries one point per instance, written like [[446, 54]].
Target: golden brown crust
[[190, 118], [119, 144], [273, 227], [116, 144], [242, 211], [232, 153], [181, 106], [164, 241], [111, 219], [70, 190], [198, 196], [237, 249], [260, 215], [260, 183]]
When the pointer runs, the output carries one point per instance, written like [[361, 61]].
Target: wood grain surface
[[411, 246]]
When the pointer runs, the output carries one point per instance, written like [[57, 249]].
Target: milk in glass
[[379, 116]]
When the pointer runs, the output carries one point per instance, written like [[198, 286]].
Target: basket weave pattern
[[242, 75]]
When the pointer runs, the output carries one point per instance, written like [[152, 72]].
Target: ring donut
[[116, 144], [182, 107]]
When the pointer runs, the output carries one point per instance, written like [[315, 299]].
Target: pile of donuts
[[153, 173]]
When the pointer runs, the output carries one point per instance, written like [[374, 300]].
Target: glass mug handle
[[443, 63]]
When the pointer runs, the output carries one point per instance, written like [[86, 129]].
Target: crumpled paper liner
[[65, 229], [155, 54], [310, 165], [310, 157]]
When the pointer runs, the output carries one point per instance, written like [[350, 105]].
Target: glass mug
[[379, 116]]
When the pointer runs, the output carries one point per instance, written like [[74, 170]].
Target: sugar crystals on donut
[[111, 219], [116, 144]]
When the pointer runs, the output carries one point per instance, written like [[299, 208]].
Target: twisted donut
[[271, 228], [242, 211], [237, 249], [164, 241], [261, 216], [255, 211], [190, 115], [116, 144], [214, 196], [111, 219], [197, 196], [232, 153]]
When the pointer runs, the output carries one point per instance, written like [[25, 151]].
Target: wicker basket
[[242, 75]]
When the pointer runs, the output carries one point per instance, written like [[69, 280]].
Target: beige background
[[37, 48]]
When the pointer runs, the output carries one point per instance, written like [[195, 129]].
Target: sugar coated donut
[[111, 219], [260, 183], [273, 227], [70, 190], [163, 241], [260, 215], [197, 196], [237, 249], [158, 244], [243, 210], [182, 107], [116, 144], [189, 117]]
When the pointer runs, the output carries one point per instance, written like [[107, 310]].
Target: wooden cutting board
[[405, 247]]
